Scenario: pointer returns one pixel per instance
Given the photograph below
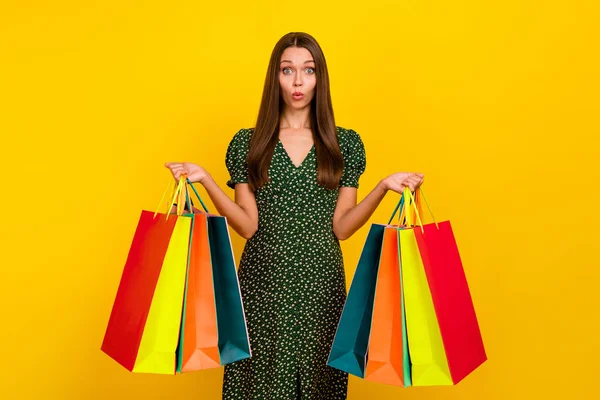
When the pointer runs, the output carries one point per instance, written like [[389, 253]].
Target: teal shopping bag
[[234, 344], [349, 348]]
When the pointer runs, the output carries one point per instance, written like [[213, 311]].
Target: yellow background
[[496, 102]]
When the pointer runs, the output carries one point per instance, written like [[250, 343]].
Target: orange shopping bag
[[213, 327], [387, 350], [198, 343]]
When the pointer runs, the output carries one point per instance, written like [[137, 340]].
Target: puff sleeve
[[235, 158], [355, 161]]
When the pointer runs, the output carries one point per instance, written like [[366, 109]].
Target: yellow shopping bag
[[157, 349], [427, 353]]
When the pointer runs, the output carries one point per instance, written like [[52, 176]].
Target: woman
[[295, 177]]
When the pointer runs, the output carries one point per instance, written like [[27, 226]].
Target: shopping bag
[[387, 358], [443, 333], [234, 342], [452, 300], [142, 331], [423, 329], [161, 333], [349, 348], [165, 318], [198, 341], [428, 358], [213, 328]]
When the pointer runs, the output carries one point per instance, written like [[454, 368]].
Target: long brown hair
[[266, 132]]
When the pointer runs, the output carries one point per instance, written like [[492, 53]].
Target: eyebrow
[[305, 62]]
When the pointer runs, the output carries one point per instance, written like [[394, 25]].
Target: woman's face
[[297, 77]]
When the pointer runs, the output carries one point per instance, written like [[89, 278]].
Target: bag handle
[[399, 205], [197, 195], [176, 193], [409, 216], [404, 211], [179, 191], [422, 193]]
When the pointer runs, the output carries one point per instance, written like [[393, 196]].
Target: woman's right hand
[[195, 173]]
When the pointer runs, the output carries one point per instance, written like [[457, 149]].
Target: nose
[[298, 80]]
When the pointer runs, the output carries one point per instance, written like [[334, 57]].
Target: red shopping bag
[[452, 299], [449, 292], [136, 289]]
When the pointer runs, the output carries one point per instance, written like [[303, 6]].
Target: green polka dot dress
[[292, 277]]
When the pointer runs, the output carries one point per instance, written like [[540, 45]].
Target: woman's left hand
[[401, 180]]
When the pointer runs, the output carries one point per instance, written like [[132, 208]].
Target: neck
[[292, 118]]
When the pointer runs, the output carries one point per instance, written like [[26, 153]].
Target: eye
[[286, 69], [310, 70]]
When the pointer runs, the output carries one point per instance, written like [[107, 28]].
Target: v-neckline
[[290, 158]]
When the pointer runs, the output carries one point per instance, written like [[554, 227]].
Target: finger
[[398, 188], [412, 181]]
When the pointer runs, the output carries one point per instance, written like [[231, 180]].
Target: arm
[[348, 216], [241, 214]]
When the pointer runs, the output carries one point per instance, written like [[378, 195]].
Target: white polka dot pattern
[[292, 277]]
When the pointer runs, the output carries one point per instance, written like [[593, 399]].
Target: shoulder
[[240, 140], [238, 146], [242, 135], [349, 140], [353, 152], [347, 135]]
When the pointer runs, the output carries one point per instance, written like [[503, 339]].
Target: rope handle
[[181, 190]]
